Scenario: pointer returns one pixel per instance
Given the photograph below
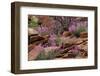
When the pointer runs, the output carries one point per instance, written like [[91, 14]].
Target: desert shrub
[[33, 21], [58, 41], [76, 30], [41, 56], [46, 55], [79, 30]]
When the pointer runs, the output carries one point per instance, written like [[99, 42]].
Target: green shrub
[[33, 22], [79, 30], [46, 55]]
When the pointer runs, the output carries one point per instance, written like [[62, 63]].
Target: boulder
[[33, 53], [68, 40], [32, 31], [83, 35], [66, 34]]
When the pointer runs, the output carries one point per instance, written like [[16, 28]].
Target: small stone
[[84, 54], [69, 55], [67, 33], [59, 55], [65, 56]]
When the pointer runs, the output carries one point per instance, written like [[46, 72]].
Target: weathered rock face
[[38, 39], [71, 41], [35, 39], [68, 48]]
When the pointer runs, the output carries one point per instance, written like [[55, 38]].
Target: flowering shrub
[[42, 30], [77, 29]]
